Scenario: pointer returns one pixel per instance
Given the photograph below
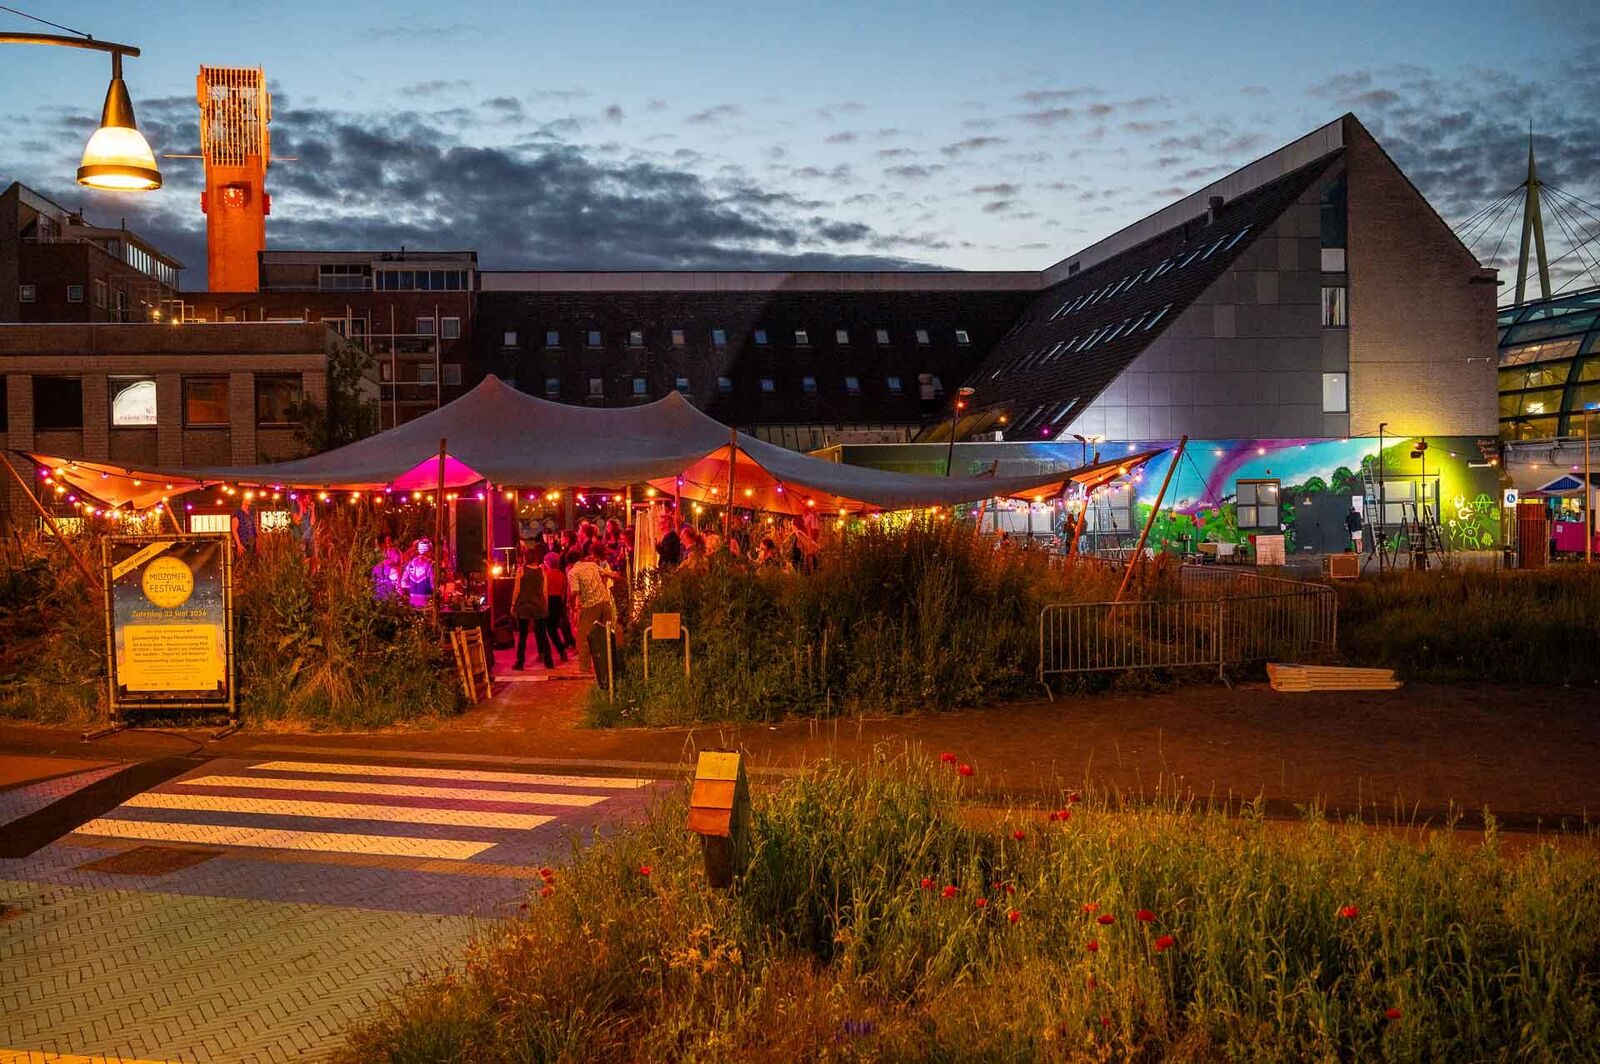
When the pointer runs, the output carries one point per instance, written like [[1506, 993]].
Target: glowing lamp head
[[117, 157]]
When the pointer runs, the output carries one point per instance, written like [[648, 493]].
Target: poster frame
[[118, 706]]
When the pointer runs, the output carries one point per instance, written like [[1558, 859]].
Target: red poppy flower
[[947, 758], [948, 892], [1093, 983], [927, 884], [1164, 943], [1074, 797], [1105, 918], [1013, 915], [1094, 945], [524, 905], [1010, 889], [964, 768], [546, 874], [1349, 912], [1145, 916], [1019, 834], [982, 903], [1091, 907], [546, 891], [644, 870], [1391, 1013], [1105, 1021]]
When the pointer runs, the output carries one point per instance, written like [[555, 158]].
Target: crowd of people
[[566, 574]]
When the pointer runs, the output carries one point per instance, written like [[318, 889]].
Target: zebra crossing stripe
[[399, 790], [336, 810], [536, 779], [284, 839]]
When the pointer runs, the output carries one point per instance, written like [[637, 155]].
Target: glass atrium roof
[[1549, 365]]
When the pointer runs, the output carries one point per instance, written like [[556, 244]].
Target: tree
[[352, 412]]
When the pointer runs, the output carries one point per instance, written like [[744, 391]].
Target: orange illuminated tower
[[235, 108]]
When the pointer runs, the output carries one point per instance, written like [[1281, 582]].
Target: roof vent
[[1213, 208]]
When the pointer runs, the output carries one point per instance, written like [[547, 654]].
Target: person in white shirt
[[589, 591]]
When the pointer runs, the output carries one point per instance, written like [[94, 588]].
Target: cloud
[[971, 144], [712, 116], [1038, 97], [434, 88], [894, 153], [656, 105], [1050, 116], [614, 112], [382, 180], [1001, 189], [998, 206], [841, 138], [913, 171], [844, 107]]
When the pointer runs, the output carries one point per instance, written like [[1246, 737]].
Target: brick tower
[[235, 108]]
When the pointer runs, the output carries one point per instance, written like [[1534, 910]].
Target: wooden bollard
[[719, 812]]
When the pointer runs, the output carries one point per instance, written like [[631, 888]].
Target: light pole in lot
[[963, 393], [117, 157]]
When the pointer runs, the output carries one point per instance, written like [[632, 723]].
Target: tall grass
[[1536, 626], [52, 634], [895, 618], [831, 947]]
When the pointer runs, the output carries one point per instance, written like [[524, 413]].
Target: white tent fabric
[[499, 435]]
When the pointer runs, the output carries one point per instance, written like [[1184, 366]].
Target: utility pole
[[1532, 226]]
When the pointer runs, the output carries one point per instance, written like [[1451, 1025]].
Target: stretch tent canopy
[[501, 436]]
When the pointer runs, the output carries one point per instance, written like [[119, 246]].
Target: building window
[[883, 337], [100, 294], [74, 293], [597, 388], [938, 388], [922, 338], [767, 386], [1157, 317], [205, 402], [450, 328], [425, 326], [426, 374], [802, 338], [552, 338], [677, 338], [635, 337], [27, 293], [640, 389], [841, 336], [852, 385], [808, 385], [681, 384], [452, 374], [724, 385], [962, 337], [894, 386], [1335, 310], [133, 402], [1258, 505], [278, 397], [552, 387], [592, 338], [509, 339], [761, 338], [1335, 393], [57, 403], [719, 337]]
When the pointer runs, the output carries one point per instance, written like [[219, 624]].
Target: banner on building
[[169, 622]]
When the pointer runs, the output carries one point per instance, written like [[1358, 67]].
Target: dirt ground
[[1527, 754]]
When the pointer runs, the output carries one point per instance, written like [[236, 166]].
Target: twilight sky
[[1000, 135]]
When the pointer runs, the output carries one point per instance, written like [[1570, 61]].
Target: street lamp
[[1086, 441], [117, 157], [963, 393]]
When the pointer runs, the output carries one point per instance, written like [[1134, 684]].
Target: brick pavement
[[323, 886]]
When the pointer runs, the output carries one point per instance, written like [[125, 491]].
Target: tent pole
[[1144, 535], [733, 460], [166, 504], [488, 553], [438, 527], [50, 523]]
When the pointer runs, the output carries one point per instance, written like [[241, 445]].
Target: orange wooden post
[[719, 812]]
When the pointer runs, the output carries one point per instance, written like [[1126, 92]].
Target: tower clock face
[[233, 195]]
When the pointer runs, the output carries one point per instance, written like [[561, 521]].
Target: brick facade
[[94, 354]]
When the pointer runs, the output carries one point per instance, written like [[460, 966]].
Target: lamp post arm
[[59, 41]]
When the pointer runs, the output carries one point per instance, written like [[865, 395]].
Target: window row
[[1049, 353], [444, 328], [928, 386], [1128, 282], [29, 293], [594, 338], [133, 402]]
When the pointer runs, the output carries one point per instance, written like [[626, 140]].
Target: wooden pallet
[[1330, 678]]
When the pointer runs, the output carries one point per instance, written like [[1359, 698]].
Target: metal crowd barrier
[[1223, 618]]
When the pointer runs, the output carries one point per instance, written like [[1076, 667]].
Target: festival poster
[[170, 615]]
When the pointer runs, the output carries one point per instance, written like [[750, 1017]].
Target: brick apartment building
[[163, 396], [57, 267]]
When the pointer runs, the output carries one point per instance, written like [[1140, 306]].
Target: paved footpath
[[252, 908]]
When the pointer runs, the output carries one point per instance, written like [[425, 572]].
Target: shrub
[[52, 634], [1535, 626], [923, 615], [1227, 938]]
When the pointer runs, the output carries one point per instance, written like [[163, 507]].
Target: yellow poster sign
[[170, 657], [138, 558]]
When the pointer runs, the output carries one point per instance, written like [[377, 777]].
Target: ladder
[[1423, 538]]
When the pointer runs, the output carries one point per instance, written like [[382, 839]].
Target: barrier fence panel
[[1226, 619]]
